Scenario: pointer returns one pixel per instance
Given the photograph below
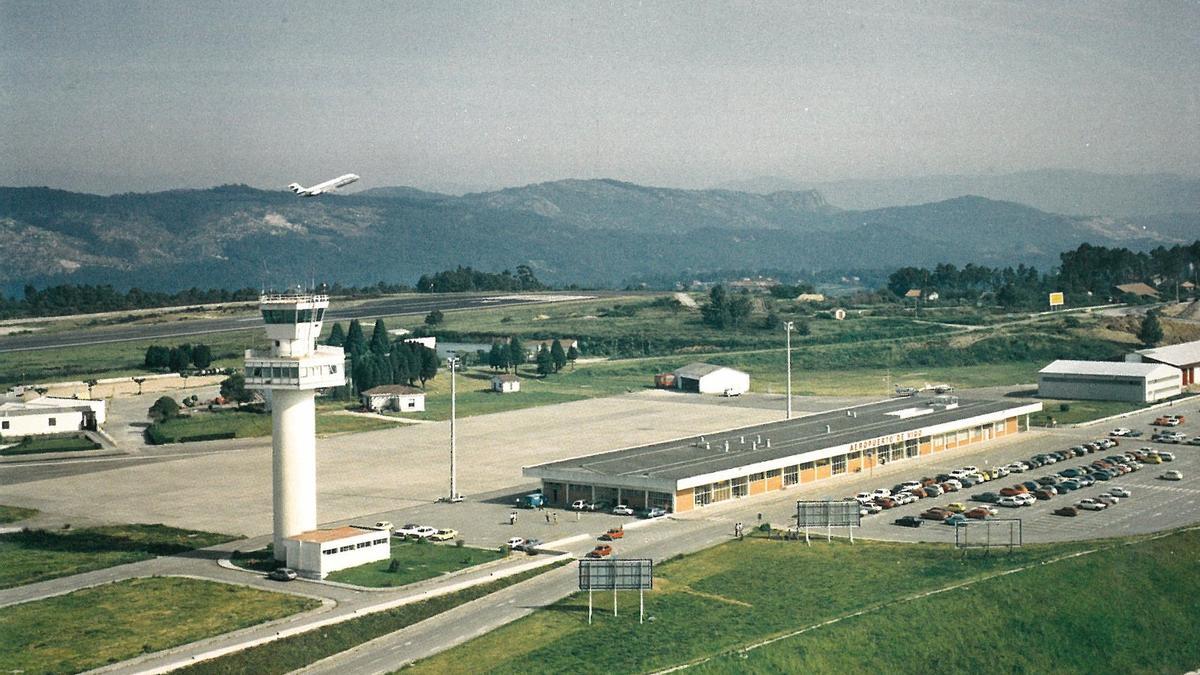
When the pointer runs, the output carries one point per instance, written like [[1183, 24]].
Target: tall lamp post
[[788, 331], [452, 360]]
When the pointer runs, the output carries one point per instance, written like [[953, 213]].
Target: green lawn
[[729, 596], [292, 653], [37, 555], [253, 424], [97, 626], [11, 514], [1079, 411], [33, 445], [417, 561]]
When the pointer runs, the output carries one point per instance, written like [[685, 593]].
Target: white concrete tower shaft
[[291, 371]]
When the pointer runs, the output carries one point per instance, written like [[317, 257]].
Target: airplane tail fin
[[296, 187]]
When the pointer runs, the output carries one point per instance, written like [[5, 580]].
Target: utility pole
[[788, 331], [454, 496]]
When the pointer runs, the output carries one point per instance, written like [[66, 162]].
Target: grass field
[[11, 514], [37, 555], [292, 653], [722, 599], [97, 626], [1080, 411], [251, 424], [33, 445], [417, 561]]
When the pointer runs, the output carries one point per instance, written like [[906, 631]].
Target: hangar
[[705, 378], [693, 472], [1108, 381], [1184, 356]]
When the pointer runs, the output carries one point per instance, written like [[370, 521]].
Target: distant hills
[[1053, 190], [595, 232]]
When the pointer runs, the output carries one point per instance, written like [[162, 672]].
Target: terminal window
[[839, 464], [791, 475]]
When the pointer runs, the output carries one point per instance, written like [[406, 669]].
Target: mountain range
[[590, 232]]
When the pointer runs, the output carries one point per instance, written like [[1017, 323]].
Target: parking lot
[[1155, 504]]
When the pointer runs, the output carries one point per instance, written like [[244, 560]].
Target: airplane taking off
[[322, 188]]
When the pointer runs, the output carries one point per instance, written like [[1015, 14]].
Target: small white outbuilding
[[317, 553], [706, 378]]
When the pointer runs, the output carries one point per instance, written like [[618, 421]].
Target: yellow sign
[[1056, 300]]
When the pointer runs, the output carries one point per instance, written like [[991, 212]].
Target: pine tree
[[337, 336], [201, 356], [429, 365], [379, 338], [497, 357], [356, 341], [558, 356], [1151, 332], [516, 353], [572, 354], [545, 362], [399, 362]]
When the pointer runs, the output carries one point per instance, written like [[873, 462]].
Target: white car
[[382, 525], [1166, 456], [1118, 491], [622, 510], [971, 468], [1010, 502], [583, 505], [871, 507], [1171, 475], [1107, 499], [408, 529], [1018, 467], [423, 532], [909, 485], [515, 543], [999, 472], [863, 497], [957, 485], [959, 473], [1120, 431], [880, 492], [1090, 504], [1026, 499], [904, 498]]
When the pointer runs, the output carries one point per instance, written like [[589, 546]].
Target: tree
[[164, 409], [233, 388], [1151, 332], [379, 338], [202, 356], [771, 321], [724, 311], [179, 360], [337, 336], [516, 353], [399, 362], [572, 354], [545, 362], [497, 357], [558, 355], [158, 357], [429, 365], [356, 341], [434, 318]]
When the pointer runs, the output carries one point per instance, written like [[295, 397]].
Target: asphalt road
[[369, 310]]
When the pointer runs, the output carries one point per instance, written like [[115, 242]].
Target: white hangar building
[[1185, 357], [706, 378], [1108, 381]]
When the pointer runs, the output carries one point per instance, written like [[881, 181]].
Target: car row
[[415, 531], [618, 509]]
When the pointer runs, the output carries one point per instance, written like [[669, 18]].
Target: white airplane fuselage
[[322, 188]]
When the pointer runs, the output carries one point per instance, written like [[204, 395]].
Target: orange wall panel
[[684, 500], [775, 482], [926, 448], [757, 487], [824, 471], [808, 475]]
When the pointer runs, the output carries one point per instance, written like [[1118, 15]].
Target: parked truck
[[533, 500]]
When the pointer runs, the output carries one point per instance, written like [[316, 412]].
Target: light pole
[[788, 331], [452, 360]]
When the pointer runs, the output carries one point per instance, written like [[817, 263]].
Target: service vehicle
[[533, 500]]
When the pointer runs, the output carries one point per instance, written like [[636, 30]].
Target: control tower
[[289, 372]]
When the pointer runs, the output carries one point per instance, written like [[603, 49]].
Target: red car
[[978, 513], [1013, 491], [936, 513], [948, 487], [886, 502], [601, 551]]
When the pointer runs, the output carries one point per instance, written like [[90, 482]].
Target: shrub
[[1064, 407], [393, 566], [459, 543]]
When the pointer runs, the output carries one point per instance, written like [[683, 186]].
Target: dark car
[[936, 513], [1069, 511], [1043, 494], [1101, 475], [1031, 485], [282, 574], [908, 521], [933, 491], [988, 497], [967, 481], [943, 477], [1069, 473], [1069, 485]]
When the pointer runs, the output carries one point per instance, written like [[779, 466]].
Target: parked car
[[1120, 431], [382, 525], [1107, 499], [1011, 491], [978, 513], [282, 574], [956, 507], [1194, 441], [934, 491], [422, 532], [908, 486], [1026, 499], [880, 492], [1010, 501], [1118, 491], [408, 529], [864, 497], [622, 510], [656, 512], [955, 519], [936, 513], [1166, 456], [1043, 494], [601, 551], [887, 502], [444, 535], [1018, 467], [515, 543], [1090, 504], [1171, 475], [986, 497], [908, 521], [583, 505], [1069, 511], [872, 508]]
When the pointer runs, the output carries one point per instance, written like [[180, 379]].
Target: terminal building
[[1109, 381], [1185, 357], [694, 472]]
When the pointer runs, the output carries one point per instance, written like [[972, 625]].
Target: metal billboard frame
[[829, 514], [1011, 535], [624, 574]]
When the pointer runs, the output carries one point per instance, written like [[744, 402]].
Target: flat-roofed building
[[1108, 381], [1184, 356], [48, 415], [693, 472], [316, 553], [397, 397]]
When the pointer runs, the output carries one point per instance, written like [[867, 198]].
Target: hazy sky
[[120, 96]]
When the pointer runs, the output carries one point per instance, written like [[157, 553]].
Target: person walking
[[547, 518], [512, 518]]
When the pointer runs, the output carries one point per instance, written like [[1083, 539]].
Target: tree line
[[549, 359], [1088, 274], [179, 358], [86, 299], [464, 279], [381, 360]]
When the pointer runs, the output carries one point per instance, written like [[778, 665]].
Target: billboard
[[1056, 299], [828, 514], [632, 574]]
